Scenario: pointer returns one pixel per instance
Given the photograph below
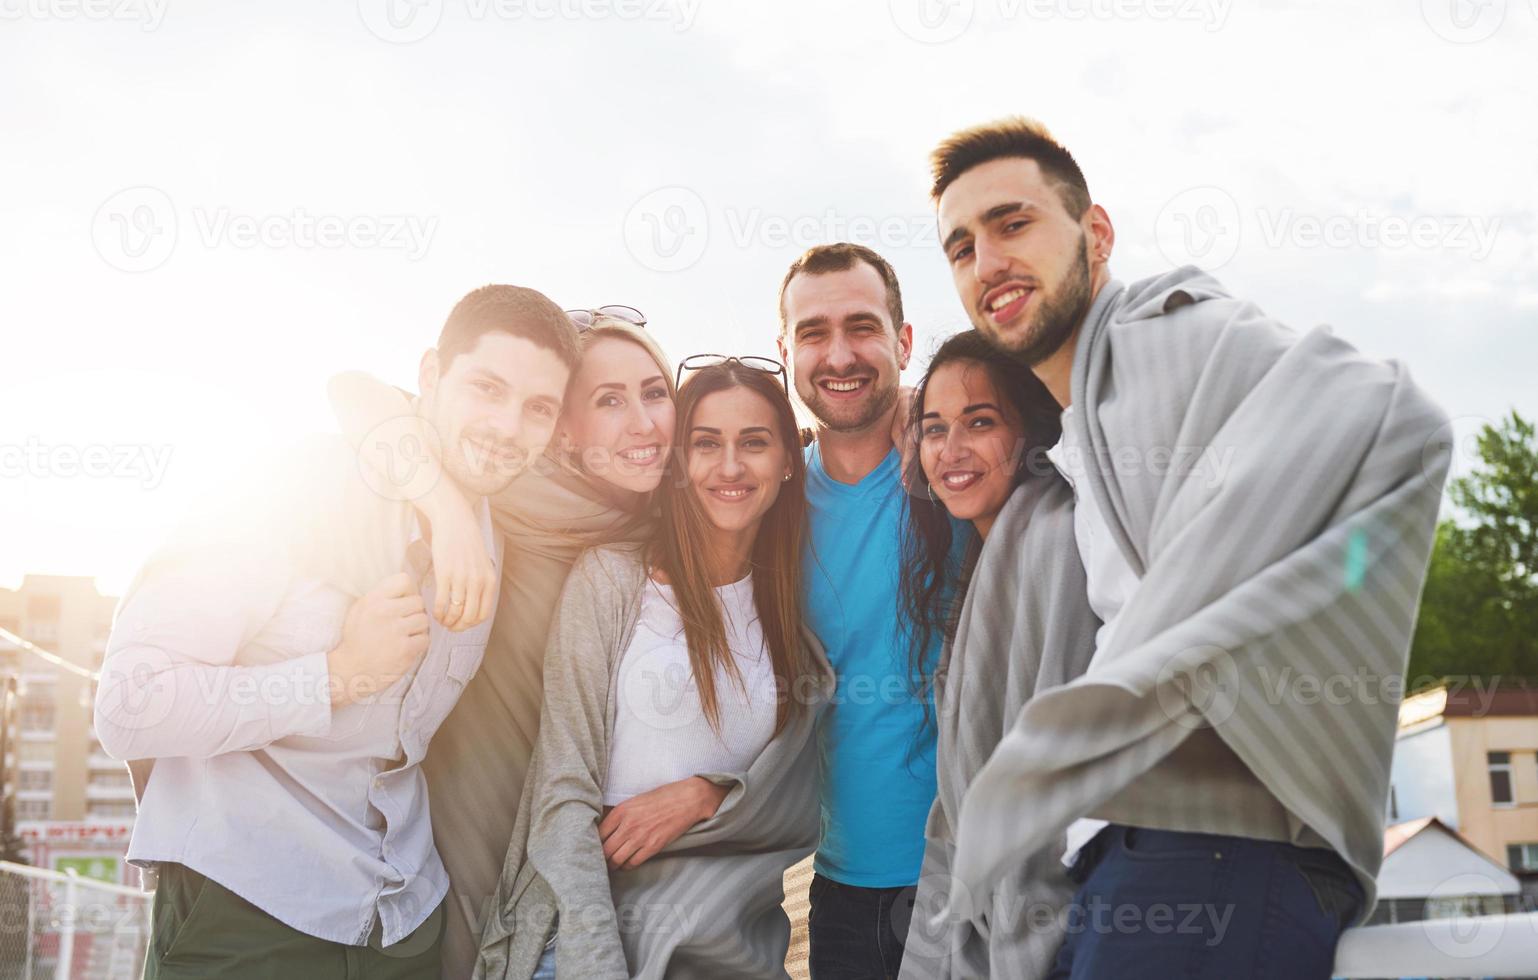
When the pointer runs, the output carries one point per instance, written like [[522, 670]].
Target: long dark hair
[[932, 583], [680, 548]]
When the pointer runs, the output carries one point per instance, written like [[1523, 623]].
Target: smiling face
[[737, 458], [1026, 270], [970, 442], [619, 415], [845, 355], [493, 408]]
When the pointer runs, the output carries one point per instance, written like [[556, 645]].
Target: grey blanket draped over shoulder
[[1277, 494], [1024, 626], [707, 906]]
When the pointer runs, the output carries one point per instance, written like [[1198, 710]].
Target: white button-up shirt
[[217, 670], [1108, 577]]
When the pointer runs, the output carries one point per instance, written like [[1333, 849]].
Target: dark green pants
[[203, 930]]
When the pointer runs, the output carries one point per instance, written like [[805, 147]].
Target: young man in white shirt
[[281, 674]]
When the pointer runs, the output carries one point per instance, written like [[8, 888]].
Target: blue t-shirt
[[879, 775]]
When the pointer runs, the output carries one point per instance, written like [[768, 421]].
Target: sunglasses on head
[[583, 319], [698, 362]]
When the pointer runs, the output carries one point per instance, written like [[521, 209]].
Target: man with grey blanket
[[1254, 511]]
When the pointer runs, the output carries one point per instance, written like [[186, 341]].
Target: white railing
[[61, 926]]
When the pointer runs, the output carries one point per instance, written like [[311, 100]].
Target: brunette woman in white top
[[675, 777]]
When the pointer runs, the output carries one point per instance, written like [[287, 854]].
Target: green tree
[[1479, 612]]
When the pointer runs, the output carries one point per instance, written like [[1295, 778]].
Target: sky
[[208, 209]]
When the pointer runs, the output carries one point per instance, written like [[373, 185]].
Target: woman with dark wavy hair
[[979, 427], [981, 423]]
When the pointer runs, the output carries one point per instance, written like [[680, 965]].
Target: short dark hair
[[515, 310], [1013, 136], [840, 257]]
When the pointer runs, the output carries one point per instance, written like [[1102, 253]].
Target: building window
[[1500, 778], [34, 809], [113, 780], [37, 717], [1522, 857], [35, 779], [100, 810]]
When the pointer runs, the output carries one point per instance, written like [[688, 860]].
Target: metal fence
[[59, 926]]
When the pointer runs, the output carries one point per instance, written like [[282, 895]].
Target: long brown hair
[[931, 585], [681, 547]]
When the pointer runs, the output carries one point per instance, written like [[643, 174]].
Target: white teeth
[[641, 455], [733, 494], [842, 385], [1000, 302], [956, 481]]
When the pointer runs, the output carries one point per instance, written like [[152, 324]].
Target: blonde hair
[[608, 326]]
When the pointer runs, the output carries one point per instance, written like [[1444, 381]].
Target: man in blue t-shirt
[[843, 336]]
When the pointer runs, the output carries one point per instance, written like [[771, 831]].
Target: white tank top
[[661, 734]]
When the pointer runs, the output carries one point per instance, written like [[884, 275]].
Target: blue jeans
[[1158, 903], [545, 968], [856, 933]]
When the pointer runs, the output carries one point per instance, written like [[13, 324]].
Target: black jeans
[[857, 933]]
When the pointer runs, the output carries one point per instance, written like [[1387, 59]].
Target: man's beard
[[1058, 318], [481, 463], [878, 405]]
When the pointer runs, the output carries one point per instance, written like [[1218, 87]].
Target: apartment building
[[61, 772]]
